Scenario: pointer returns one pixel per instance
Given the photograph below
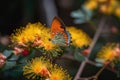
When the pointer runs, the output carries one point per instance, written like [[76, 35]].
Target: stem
[[95, 77], [66, 56], [100, 71], [108, 68], [97, 34]]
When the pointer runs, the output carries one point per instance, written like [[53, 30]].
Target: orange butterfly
[[59, 35]]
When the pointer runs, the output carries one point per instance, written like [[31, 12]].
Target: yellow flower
[[51, 49], [107, 53], [117, 12], [58, 73], [45, 38], [102, 1], [37, 67], [35, 35], [41, 67], [108, 7], [79, 38], [48, 47], [91, 4], [28, 34], [104, 6]]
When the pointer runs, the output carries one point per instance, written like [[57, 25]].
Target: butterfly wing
[[58, 33], [57, 26]]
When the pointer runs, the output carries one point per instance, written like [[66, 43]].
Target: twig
[[68, 56], [100, 71], [97, 34], [95, 77], [108, 68]]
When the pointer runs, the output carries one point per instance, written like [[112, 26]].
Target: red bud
[[114, 30], [25, 52], [86, 51]]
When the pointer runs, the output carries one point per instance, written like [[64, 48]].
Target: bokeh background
[[17, 13]]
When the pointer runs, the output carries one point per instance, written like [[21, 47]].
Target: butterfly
[[59, 35]]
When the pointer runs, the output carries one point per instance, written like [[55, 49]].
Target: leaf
[[87, 12], [7, 53], [99, 60], [79, 21], [14, 73], [9, 65], [13, 57], [77, 14], [81, 16], [99, 64], [79, 57]]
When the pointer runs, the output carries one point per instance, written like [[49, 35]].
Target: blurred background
[[17, 13]]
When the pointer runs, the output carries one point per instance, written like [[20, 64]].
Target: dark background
[[16, 13]]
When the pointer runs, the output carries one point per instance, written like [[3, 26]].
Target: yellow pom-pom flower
[[37, 68], [35, 35], [102, 1], [104, 6], [58, 73], [79, 38], [48, 47], [109, 53], [91, 4], [108, 7], [117, 12], [51, 49], [42, 68], [27, 34]]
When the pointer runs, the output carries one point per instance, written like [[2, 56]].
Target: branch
[[97, 34]]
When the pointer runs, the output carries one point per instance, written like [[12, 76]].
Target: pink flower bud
[[2, 60], [17, 50]]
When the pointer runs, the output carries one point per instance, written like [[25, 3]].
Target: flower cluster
[[33, 35], [37, 36], [41, 67], [104, 6], [79, 38], [109, 53]]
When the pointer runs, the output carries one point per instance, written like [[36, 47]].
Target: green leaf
[[77, 14], [14, 73], [99, 64], [13, 58], [79, 57], [99, 60], [9, 65], [79, 21], [87, 12], [7, 53], [82, 15]]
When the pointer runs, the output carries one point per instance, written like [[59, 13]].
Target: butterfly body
[[59, 35]]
